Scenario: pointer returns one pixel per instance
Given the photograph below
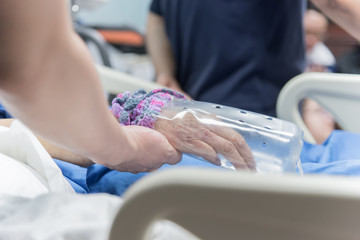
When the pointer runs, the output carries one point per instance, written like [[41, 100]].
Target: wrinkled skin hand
[[188, 135]]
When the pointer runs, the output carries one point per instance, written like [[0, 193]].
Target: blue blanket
[[97, 178], [338, 155]]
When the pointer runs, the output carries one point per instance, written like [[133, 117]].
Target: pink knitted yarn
[[140, 108]]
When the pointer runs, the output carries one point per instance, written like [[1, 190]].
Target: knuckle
[[238, 139], [190, 120], [187, 115], [170, 156], [184, 136], [168, 153], [228, 147], [197, 145], [205, 134], [178, 127]]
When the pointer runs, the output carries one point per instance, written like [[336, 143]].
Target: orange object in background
[[122, 37]]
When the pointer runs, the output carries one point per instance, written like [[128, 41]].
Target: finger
[[225, 148], [204, 150], [175, 158], [170, 154], [239, 142]]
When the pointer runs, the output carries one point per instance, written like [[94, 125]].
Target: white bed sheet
[[37, 203], [26, 169], [57, 216]]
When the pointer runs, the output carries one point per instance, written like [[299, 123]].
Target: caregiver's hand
[[188, 135], [145, 150]]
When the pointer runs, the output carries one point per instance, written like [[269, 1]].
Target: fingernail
[[218, 161]]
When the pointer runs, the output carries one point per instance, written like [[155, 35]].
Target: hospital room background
[[115, 34]]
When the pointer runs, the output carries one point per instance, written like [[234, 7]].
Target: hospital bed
[[214, 204], [337, 93], [231, 205], [115, 82]]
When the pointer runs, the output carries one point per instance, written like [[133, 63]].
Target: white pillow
[[19, 179], [26, 169]]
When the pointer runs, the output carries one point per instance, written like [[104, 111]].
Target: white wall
[[118, 13]]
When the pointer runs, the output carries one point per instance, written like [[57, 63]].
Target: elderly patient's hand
[[188, 135]]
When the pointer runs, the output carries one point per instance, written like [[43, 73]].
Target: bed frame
[[238, 205], [337, 93]]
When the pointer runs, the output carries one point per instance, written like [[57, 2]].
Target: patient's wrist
[[141, 108]]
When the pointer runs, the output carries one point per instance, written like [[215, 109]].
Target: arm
[[346, 13], [64, 155], [54, 151], [161, 53], [48, 81]]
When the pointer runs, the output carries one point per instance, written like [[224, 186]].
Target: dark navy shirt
[[238, 53]]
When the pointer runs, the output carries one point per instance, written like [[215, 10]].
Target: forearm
[[49, 81], [64, 155], [346, 13], [55, 151], [159, 47]]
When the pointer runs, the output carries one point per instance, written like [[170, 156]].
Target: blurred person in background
[[318, 56], [237, 53]]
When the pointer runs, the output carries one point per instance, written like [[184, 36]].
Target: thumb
[[169, 153]]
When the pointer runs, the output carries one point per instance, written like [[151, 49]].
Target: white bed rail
[[215, 205], [115, 82], [337, 93]]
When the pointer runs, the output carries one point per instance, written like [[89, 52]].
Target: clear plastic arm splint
[[275, 144]]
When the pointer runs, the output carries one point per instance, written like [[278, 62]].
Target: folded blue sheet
[[99, 179], [4, 113], [338, 155]]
